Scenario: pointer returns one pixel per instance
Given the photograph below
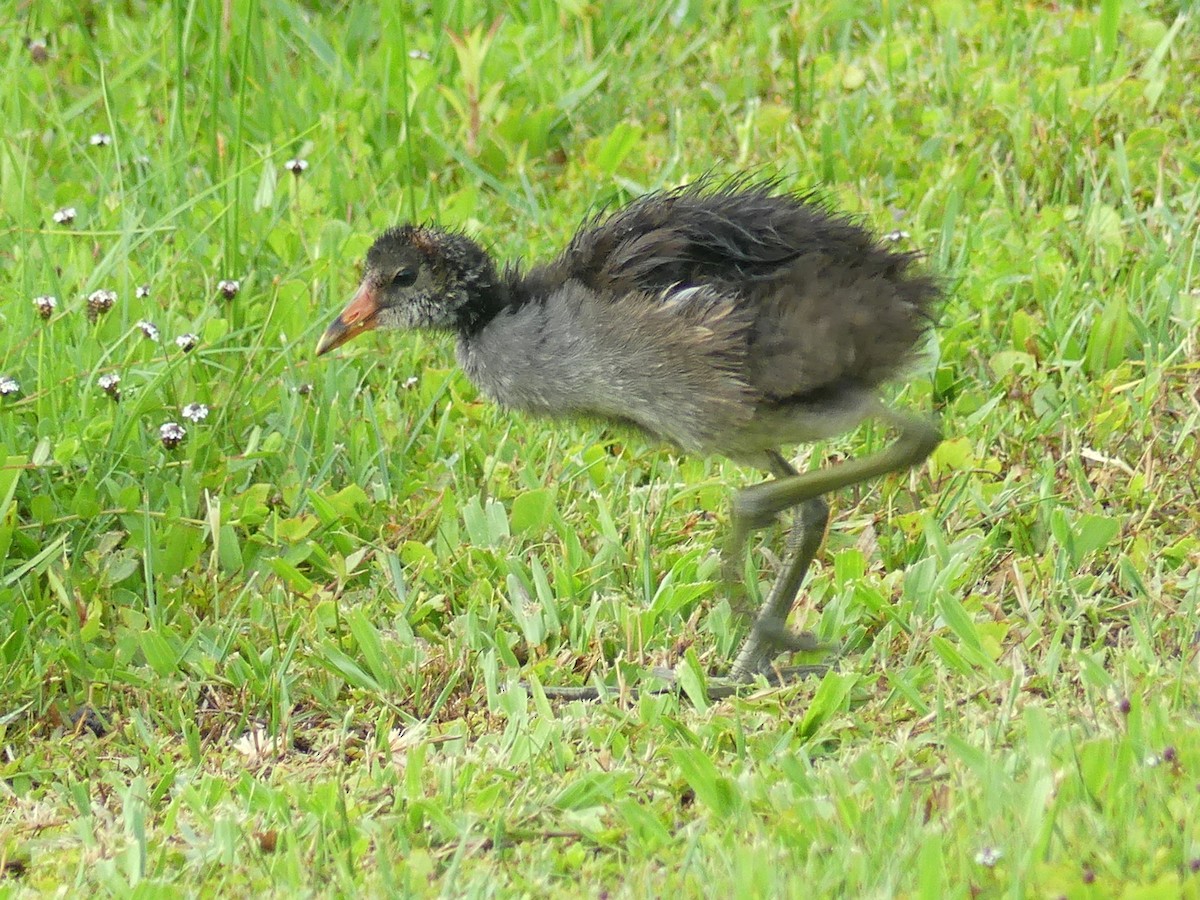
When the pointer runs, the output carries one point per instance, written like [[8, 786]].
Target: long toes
[[778, 638], [789, 674], [798, 642], [772, 640]]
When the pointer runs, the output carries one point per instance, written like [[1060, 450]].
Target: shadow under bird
[[730, 319]]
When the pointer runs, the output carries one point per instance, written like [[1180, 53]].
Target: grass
[[283, 657]]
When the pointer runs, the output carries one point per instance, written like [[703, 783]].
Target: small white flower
[[142, 292], [100, 139], [195, 412], [110, 384], [1153, 761], [45, 305], [172, 434], [186, 342], [419, 54], [8, 386], [229, 287], [296, 166], [988, 856], [65, 216], [410, 382], [149, 329], [897, 235], [99, 302]]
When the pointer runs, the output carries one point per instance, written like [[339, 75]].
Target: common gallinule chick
[[729, 319]]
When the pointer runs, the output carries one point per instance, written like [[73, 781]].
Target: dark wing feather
[[825, 304], [731, 232]]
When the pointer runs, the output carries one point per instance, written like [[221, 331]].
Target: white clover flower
[[988, 856], [172, 434], [45, 305], [142, 292], [195, 412], [100, 139], [187, 342], [65, 216], [9, 386], [100, 302], [110, 384], [149, 329]]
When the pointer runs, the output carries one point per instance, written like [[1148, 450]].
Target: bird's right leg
[[769, 635], [759, 505]]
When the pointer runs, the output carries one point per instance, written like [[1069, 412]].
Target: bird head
[[416, 277]]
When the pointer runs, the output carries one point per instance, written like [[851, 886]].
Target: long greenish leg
[[803, 541], [780, 469], [769, 635], [758, 505]]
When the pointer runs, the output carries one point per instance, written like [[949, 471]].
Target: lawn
[[296, 644]]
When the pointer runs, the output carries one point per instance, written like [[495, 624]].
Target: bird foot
[[766, 641]]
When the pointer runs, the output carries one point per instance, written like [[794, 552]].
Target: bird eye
[[404, 278]]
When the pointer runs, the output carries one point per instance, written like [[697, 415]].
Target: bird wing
[[732, 233]]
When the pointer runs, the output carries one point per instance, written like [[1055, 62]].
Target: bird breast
[[670, 363]]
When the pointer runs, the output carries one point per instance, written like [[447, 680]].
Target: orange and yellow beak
[[358, 316]]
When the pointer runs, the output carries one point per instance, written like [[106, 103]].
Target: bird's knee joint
[[815, 514], [751, 511], [924, 438]]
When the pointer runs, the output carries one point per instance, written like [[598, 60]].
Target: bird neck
[[486, 299]]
